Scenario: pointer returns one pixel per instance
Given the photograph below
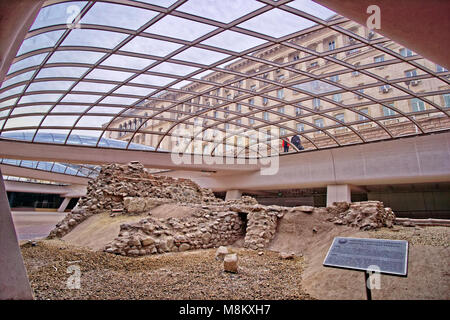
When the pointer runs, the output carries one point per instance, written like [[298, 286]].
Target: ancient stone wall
[[130, 189], [365, 215], [153, 235], [117, 186]]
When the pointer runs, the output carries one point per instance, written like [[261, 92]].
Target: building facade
[[336, 91]]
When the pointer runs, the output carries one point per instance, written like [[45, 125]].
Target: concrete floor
[[32, 225]]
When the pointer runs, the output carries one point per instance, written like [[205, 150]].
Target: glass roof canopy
[[86, 171], [120, 68]]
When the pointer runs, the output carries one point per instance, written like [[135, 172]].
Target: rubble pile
[[131, 189], [159, 235], [365, 215], [211, 222]]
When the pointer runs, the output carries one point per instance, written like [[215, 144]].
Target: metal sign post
[[379, 256]]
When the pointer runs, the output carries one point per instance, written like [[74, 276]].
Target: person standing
[[285, 146], [295, 140]]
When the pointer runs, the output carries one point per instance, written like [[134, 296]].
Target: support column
[[64, 204], [233, 195], [338, 192], [14, 284]]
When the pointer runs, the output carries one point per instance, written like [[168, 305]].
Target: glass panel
[[152, 80], [134, 90], [235, 41], [119, 100], [103, 74], [179, 28], [31, 109], [116, 15], [312, 8], [223, 11], [93, 86], [200, 56], [19, 78], [40, 98], [59, 121], [40, 41], [50, 85], [119, 60], [57, 14], [173, 68], [107, 110], [11, 92], [80, 98], [27, 62], [69, 108], [276, 23], [81, 56], [93, 38], [93, 121], [61, 72], [51, 136], [150, 46], [30, 121]]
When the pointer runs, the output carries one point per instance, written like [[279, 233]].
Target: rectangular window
[[411, 73], [296, 57], [281, 109], [266, 115], [440, 68], [253, 87], [300, 127], [387, 111], [238, 121], [238, 107], [378, 59], [340, 117], [331, 45], [265, 100], [215, 114], [251, 121], [337, 97], [365, 111], [406, 52], [298, 111], [417, 105], [282, 131], [318, 122], [251, 101], [446, 100], [334, 78], [316, 103], [280, 94]]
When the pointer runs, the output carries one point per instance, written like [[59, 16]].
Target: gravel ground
[[187, 275], [428, 236]]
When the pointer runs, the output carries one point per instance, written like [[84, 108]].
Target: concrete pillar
[[339, 192], [14, 284], [64, 204], [233, 195]]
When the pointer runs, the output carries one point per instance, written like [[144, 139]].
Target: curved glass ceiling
[[209, 76], [86, 171]]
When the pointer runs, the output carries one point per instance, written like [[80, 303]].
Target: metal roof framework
[[99, 104]]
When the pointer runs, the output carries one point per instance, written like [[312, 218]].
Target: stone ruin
[[130, 189]]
